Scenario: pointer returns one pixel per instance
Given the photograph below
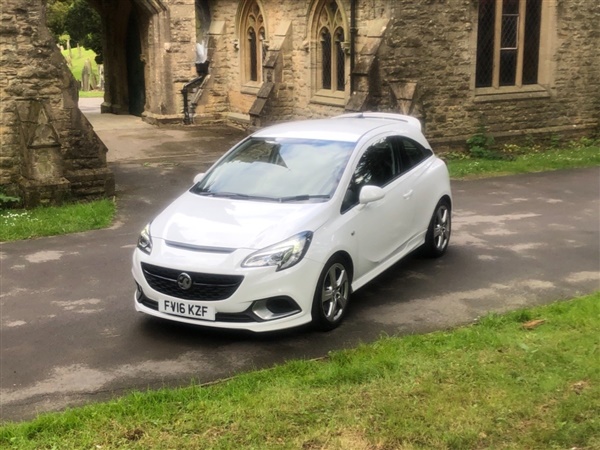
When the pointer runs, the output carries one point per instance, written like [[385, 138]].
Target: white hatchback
[[281, 230]]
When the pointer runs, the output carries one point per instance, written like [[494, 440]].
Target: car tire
[[332, 295], [438, 232]]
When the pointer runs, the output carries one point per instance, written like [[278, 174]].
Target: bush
[[8, 201], [480, 145]]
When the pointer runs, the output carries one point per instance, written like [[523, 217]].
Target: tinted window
[[411, 152], [377, 167]]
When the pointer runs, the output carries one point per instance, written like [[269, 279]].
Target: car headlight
[[145, 240], [283, 255]]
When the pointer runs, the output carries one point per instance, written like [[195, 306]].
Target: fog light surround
[[139, 294], [275, 308]]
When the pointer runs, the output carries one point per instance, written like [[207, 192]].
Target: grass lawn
[[529, 379], [585, 153], [17, 224], [77, 59], [91, 94]]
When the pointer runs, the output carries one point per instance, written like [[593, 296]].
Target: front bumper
[[264, 300]]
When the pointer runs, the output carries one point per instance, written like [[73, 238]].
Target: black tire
[[438, 232], [332, 294]]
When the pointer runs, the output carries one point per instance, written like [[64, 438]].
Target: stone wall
[[433, 45], [49, 151], [416, 58], [424, 66]]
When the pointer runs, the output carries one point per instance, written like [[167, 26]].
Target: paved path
[[70, 335]]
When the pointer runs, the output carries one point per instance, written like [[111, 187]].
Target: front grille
[[204, 286]]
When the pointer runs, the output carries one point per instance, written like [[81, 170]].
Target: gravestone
[[86, 74]]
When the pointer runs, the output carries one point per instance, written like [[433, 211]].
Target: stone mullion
[[521, 43], [497, 44]]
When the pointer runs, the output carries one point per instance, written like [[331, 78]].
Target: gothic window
[[508, 43], [329, 62], [253, 45]]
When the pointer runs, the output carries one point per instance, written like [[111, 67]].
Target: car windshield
[[283, 170]]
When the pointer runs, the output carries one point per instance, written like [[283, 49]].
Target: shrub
[[480, 145]]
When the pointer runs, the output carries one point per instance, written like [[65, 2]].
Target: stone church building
[[517, 67]]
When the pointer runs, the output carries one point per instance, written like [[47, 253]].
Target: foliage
[[506, 382], [56, 13], [77, 21], [8, 201], [84, 26], [480, 145], [16, 224]]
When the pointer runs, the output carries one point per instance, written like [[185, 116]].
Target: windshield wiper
[[300, 198], [235, 196]]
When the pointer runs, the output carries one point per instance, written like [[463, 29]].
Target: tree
[[56, 14], [77, 20], [84, 26]]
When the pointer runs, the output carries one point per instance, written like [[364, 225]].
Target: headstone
[[101, 77], [86, 75]]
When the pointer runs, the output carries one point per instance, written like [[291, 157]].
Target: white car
[[287, 224]]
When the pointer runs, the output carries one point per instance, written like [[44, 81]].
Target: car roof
[[345, 128]]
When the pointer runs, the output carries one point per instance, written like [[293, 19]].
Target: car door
[[382, 227], [416, 161]]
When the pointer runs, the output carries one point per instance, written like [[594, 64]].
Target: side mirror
[[198, 177], [370, 194]]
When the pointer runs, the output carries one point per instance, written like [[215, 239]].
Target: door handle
[[408, 194]]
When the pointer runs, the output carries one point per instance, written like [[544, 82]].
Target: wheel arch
[[348, 259], [447, 198]]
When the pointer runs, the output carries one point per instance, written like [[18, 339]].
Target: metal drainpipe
[[353, 32], [186, 113]]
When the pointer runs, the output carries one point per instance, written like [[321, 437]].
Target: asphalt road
[[69, 334]]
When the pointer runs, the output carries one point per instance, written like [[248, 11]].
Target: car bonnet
[[195, 220]]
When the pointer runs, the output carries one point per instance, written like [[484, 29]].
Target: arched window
[[329, 59], [253, 42]]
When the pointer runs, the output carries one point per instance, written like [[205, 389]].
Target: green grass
[[16, 224], [494, 384], [77, 62], [78, 58], [585, 153], [91, 94]]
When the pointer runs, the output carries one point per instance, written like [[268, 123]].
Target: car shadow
[[404, 282]]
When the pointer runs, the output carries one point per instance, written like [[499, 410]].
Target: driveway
[[70, 335]]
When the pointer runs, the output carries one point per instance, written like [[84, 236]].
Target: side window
[[377, 167], [411, 153]]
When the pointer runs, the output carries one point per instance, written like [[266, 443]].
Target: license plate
[[186, 308]]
